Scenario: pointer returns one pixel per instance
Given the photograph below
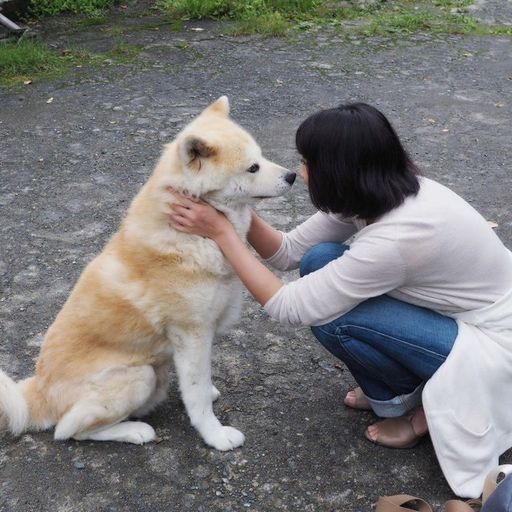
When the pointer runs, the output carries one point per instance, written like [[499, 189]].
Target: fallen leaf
[[492, 224], [49, 100]]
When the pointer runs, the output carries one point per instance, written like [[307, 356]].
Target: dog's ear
[[220, 107], [194, 149]]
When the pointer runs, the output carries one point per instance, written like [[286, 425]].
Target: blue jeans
[[391, 347]]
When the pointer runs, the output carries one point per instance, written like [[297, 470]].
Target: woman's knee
[[319, 255], [338, 345]]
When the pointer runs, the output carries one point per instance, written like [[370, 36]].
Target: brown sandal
[[404, 502], [396, 504], [361, 401], [462, 506], [396, 433]]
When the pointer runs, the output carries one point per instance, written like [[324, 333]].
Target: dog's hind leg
[[108, 398], [160, 393], [192, 357], [136, 432]]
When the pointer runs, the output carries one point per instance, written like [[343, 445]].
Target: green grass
[[32, 60], [268, 17], [26, 59], [277, 17], [93, 8]]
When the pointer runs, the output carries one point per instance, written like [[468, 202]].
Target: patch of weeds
[[267, 17], [114, 31], [453, 4], [93, 8], [412, 21], [384, 18], [423, 19], [498, 30], [26, 60], [124, 53], [271, 24], [177, 25], [91, 22], [30, 60]]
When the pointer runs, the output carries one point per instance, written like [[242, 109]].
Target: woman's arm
[[199, 218], [257, 278], [265, 239]]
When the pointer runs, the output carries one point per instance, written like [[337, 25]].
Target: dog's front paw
[[225, 438]]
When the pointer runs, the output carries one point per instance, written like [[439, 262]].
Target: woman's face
[[304, 170]]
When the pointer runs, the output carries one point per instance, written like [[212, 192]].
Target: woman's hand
[[196, 217], [199, 218]]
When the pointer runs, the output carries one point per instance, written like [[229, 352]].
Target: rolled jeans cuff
[[397, 406]]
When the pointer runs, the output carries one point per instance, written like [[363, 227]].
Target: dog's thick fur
[[151, 296]]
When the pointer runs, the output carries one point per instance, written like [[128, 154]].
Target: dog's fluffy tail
[[14, 412]]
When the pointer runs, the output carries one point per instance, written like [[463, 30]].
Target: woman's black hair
[[356, 163]]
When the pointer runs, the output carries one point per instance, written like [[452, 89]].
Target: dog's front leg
[[192, 358]]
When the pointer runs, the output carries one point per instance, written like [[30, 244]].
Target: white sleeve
[[372, 266], [320, 227]]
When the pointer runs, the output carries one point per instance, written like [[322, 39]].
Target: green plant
[[92, 8], [275, 17], [20, 61]]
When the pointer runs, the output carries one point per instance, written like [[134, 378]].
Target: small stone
[[79, 465], [321, 65]]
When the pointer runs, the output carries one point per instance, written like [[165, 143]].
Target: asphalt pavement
[[74, 151]]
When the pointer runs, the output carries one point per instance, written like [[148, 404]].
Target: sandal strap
[[462, 506], [395, 504]]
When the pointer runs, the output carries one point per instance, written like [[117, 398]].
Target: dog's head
[[220, 161]]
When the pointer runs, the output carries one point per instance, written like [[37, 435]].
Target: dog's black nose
[[290, 177]]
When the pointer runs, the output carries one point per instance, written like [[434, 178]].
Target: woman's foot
[[357, 400], [403, 432]]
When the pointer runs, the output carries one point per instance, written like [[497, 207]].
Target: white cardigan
[[437, 252]]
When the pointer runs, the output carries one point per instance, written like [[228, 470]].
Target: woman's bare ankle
[[419, 421]]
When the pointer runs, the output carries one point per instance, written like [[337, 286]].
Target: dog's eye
[[254, 168]]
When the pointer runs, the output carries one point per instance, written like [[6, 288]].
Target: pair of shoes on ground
[[406, 503], [496, 498], [403, 432]]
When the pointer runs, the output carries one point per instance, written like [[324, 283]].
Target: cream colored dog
[[151, 296]]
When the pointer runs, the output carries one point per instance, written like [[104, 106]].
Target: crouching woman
[[418, 307]]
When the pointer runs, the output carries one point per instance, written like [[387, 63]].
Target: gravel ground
[[69, 168]]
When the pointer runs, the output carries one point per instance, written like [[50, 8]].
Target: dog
[[153, 295]]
